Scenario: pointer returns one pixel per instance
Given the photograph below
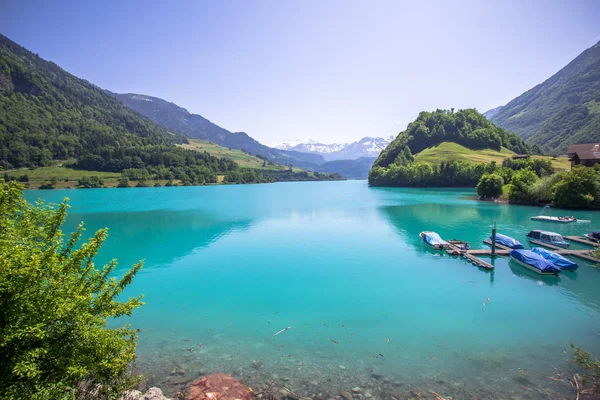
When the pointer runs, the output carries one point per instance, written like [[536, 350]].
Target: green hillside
[[448, 151], [240, 157], [563, 110], [444, 148]]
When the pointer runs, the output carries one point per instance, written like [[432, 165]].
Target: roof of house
[[588, 155], [578, 148]]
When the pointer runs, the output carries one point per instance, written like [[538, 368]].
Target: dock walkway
[[501, 250], [582, 240]]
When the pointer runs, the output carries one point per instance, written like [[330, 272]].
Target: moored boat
[[548, 218], [594, 236], [433, 240], [556, 259], [534, 262], [551, 238], [507, 241]]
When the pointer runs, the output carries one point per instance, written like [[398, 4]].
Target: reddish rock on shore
[[218, 387]]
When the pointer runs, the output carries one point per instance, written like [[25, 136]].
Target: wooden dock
[[477, 261], [581, 240], [498, 245], [471, 255], [544, 244]]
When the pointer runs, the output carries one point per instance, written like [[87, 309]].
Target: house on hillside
[[584, 154]]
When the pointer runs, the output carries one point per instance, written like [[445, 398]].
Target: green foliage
[[490, 185], [47, 185], [579, 188], [562, 110], [123, 182], [89, 182], [451, 174], [541, 167], [590, 366], [521, 185], [142, 184], [55, 304], [290, 175]]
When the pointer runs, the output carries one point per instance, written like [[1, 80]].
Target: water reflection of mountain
[[158, 237]]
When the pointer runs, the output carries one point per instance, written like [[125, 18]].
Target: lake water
[[341, 263]]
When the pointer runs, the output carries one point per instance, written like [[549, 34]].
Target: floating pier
[[498, 245], [581, 240], [500, 250]]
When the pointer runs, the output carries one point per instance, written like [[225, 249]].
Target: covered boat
[[433, 240], [507, 241], [551, 238], [594, 236], [556, 259], [534, 262]]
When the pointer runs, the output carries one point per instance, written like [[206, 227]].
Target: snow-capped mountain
[[365, 147]]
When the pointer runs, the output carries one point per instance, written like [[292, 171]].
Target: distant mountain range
[[367, 147], [179, 120], [563, 110]]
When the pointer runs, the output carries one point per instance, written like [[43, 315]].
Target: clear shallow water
[[342, 264]]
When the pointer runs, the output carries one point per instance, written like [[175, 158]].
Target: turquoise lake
[[341, 263]]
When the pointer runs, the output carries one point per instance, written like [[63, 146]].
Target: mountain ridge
[[366, 147], [180, 120], [562, 110]]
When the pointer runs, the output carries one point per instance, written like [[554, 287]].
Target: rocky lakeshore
[[306, 382]]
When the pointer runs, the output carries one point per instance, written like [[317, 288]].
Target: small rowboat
[[433, 240]]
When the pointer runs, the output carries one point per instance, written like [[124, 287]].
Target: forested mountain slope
[[181, 121], [47, 113], [563, 110]]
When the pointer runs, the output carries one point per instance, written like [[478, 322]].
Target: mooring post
[[494, 239]]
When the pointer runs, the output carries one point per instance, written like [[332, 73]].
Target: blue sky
[[330, 70]]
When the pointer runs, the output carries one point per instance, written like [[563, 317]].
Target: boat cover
[[595, 235], [556, 259], [434, 239], [534, 260], [507, 241]]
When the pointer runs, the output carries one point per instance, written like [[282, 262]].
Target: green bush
[[579, 188], [46, 185], [90, 182], [123, 182], [55, 304], [490, 185]]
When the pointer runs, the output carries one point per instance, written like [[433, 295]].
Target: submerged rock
[[218, 387], [346, 395], [154, 394], [131, 395]]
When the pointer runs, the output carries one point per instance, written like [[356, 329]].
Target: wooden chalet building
[[584, 154]]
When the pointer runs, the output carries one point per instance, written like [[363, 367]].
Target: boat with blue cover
[[556, 259], [507, 241], [433, 240], [534, 262]]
